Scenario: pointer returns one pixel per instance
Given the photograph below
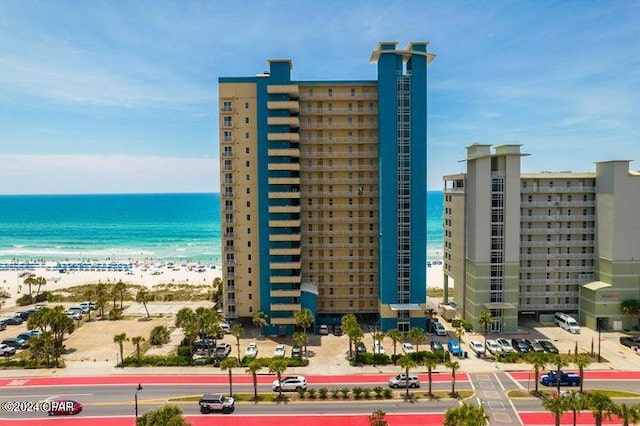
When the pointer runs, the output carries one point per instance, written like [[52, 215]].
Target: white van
[[567, 322]]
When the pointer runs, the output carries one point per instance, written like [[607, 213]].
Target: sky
[[121, 96]]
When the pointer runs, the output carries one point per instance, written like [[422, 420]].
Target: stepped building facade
[[527, 245]]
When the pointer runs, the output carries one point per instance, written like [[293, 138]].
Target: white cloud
[[87, 174]]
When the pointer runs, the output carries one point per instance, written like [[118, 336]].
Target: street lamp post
[[599, 342], [136, 398]]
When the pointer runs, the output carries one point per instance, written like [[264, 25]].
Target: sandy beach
[[148, 274]]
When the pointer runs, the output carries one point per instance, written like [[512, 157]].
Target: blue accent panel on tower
[[308, 301], [388, 65], [417, 66]]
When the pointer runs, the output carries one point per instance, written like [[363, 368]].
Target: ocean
[[158, 227]]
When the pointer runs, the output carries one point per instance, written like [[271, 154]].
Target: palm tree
[[260, 319], [600, 405], [538, 361], [236, 331], [465, 415], [378, 337], [407, 363], [144, 297], [120, 289], [459, 332], [431, 361], [30, 281], [628, 414], [395, 335], [582, 361], [278, 366], [229, 364], [120, 339], [556, 405], [486, 320], [253, 368], [352, 329], [101, 298], [137, 341], [453, 365], [301, 339], [575, 402], [377, 418], [417, 336], [304, 319], [556, 360]]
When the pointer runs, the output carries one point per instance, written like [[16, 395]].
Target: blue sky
[[120, 96]]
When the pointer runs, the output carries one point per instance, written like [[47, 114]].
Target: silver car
[[401, 381]]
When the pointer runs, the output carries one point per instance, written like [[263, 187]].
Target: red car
[[64, 407]]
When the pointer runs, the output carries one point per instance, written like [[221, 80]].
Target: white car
[[408, 348], [252, 350], [505, 345], [493, 347], [476, 347], [279, 352], [378, 348], [290, 384]]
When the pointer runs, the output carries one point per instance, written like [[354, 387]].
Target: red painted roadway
[[213, 379]]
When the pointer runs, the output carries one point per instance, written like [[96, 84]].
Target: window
[[353, 92], [330, 92], [227, 121], [246, 105], [246, 120], [226, 106], [246, 135]]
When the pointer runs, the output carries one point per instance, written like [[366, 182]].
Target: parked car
[[566, 379], [6, 350], [204, 346], [505, 345], [402, 380], [361, 348], [476, 347], [548, 346], [88, 305], [280, 351], [296, 351], [454, 347], [74, 315], [222, 350], [226, 328], [630, 341], [24, 315], [493, 347], [436, 346], [3, 325], [520, 345], [438, 329], [408, 348], [290, 384], [83, 310], [14, 342], [25, 336], [323, 330], [12, 321], [337, 330], [216, 402], [64, 407], [534, 346], [378, 348], [252, 350]]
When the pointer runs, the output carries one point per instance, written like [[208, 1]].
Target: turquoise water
[[167, 227]]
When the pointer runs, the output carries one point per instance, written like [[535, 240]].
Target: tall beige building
[[527, 245], [318, 178]]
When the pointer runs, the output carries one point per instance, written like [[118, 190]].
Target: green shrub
[[366, 392], [301, 393], [369, 358], [388, 393], [357, 392], [159, 335], [264, 362], [345, 392], [335, 393], [378, 390], [466, 324], [509, 358], [115, 314], [312, 393], [322, 393], [156, 361]]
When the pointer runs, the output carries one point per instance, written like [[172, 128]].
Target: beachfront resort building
[[527, 245], [323, 189]]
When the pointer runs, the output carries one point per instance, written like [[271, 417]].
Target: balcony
[[294, 251], [284, 89], [286, 167], [293, 106], [275, 279], [283, 321], [284, 209], [293, 122], [558, 203], [557, 218], [284, 237], [227, 154], [284, 181], [341, 111], [564, 230], [284, 152], [558, 189], [285, 265], [340, 95], [283, 194], [339, 125], [284, 293], [289, 223], [283, 136], [293, 307], [557, 243], [351, 140]]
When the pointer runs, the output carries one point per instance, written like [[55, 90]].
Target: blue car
[[454, 347]]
